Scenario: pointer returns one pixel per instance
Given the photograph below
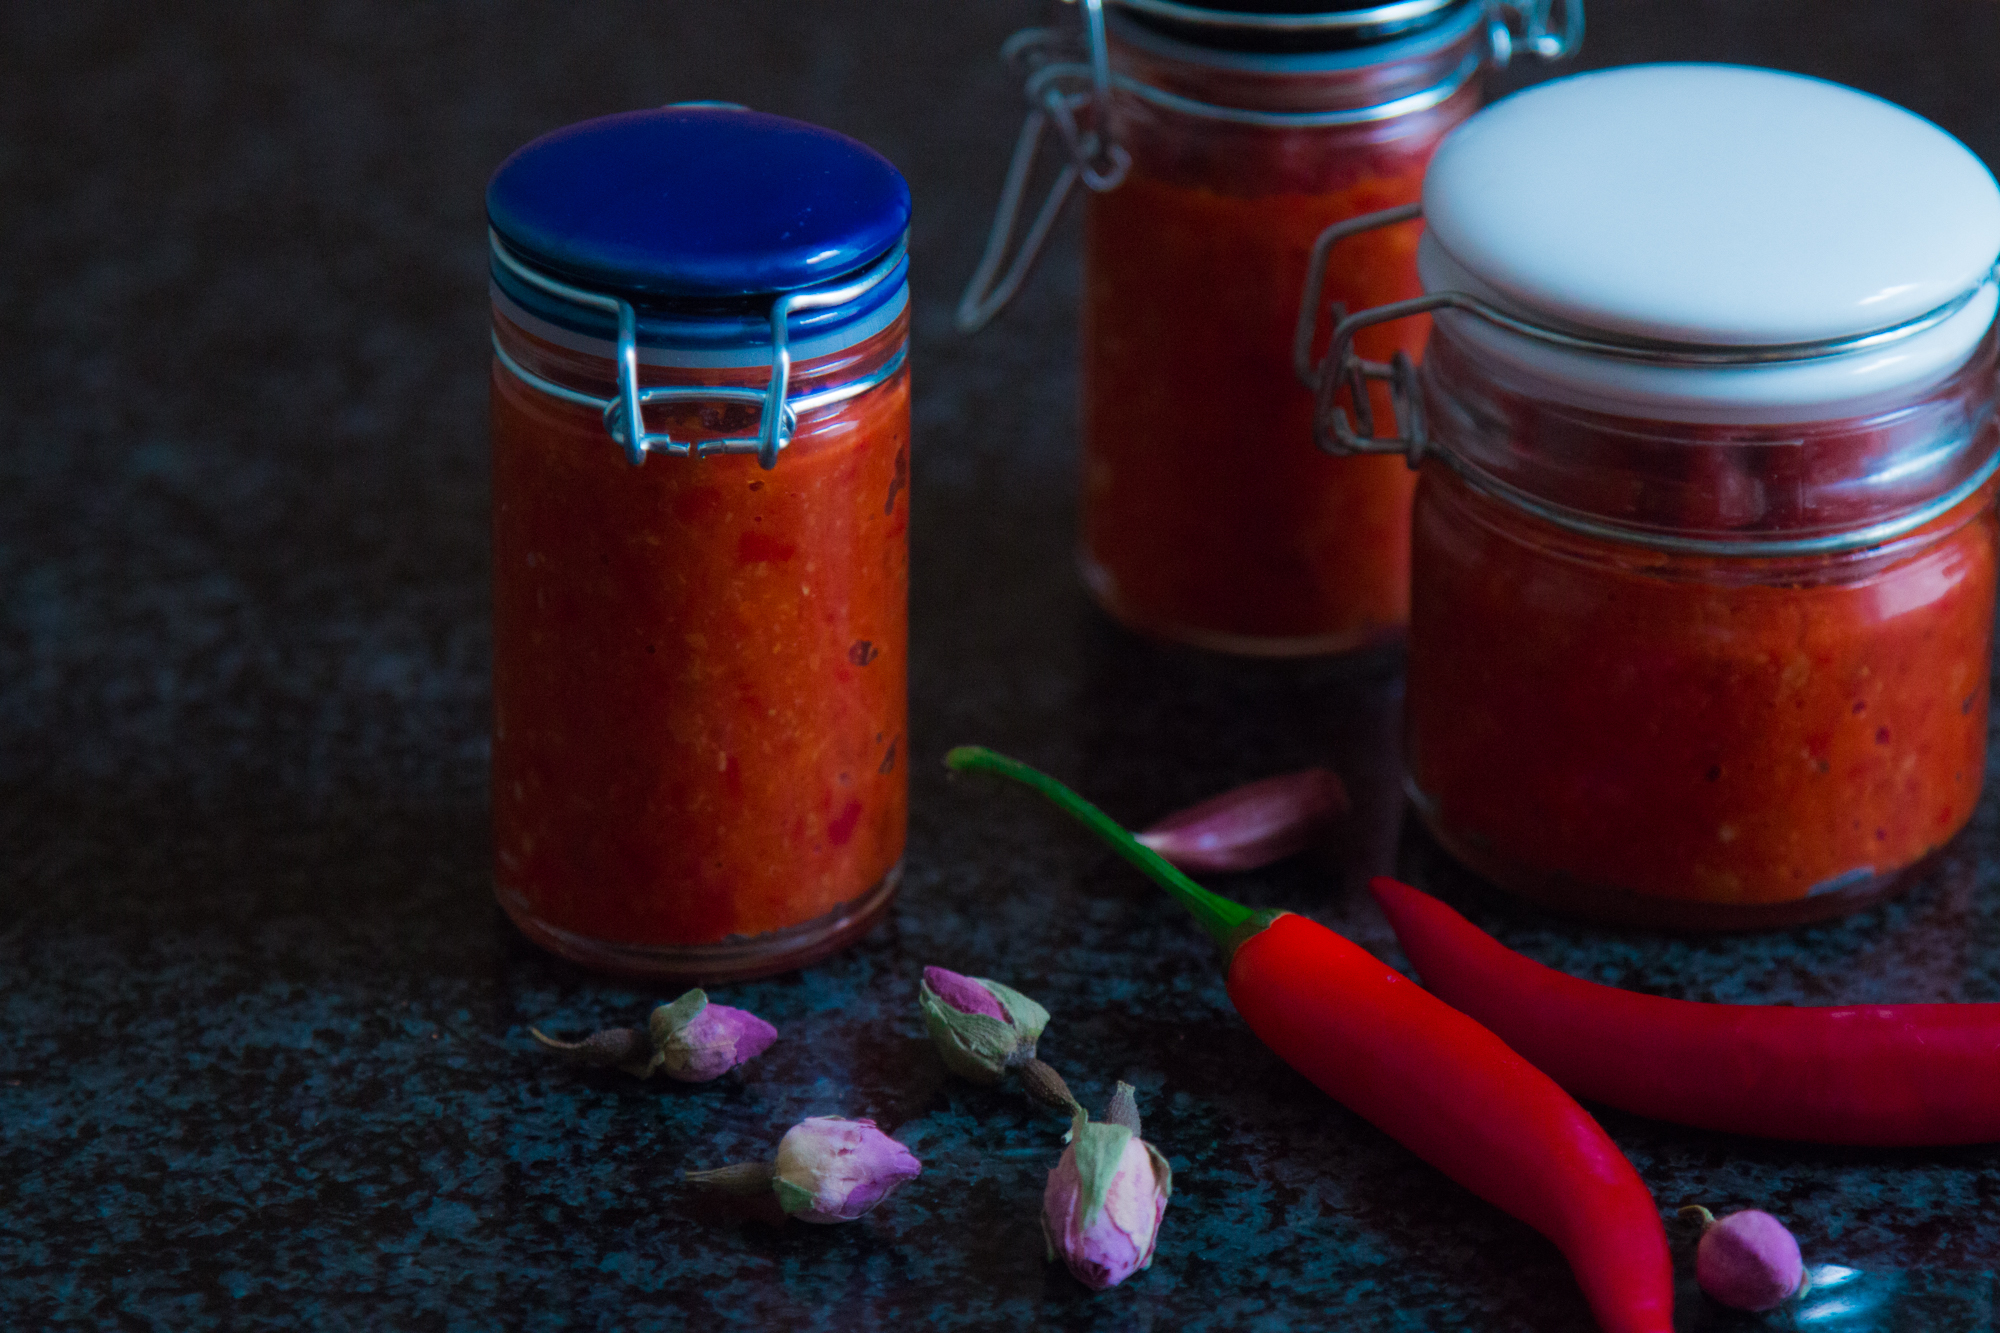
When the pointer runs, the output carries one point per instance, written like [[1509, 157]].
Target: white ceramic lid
[[1716, 205]]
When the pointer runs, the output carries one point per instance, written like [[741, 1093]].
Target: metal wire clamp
[[1057, 91], [1526, 25], [779, 417], [1060, 91], [1342, 368]]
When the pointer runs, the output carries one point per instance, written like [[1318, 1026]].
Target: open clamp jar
[[1704, 542], [1215, 143], [700, 412]]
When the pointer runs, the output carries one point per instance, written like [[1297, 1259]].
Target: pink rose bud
[[691, 1039], [697, 1041], [1747, 1260], [1251, 826], [834, 1170], [980, 1027], [1102, 1207]]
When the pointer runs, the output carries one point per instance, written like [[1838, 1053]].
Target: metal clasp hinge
[[624, 413], [1076, 99], [1525, 25], [1341, 368], [1094, 158]]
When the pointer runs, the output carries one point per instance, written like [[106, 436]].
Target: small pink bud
[[963, 993], [981, 1028], [692, 1040], [834, 1170], [1747, 1260], [695, 1041], [714, 1042], [1102, 1208], [1253, 825]]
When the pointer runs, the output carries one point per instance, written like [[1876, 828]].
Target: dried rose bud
[[1253, 825], [691, 1039], [980, 1027], [1102, 1208], [1746, 1260], [696, 1041], [834, 1170]]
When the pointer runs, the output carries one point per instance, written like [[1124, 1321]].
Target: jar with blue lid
[[1215, 141], [700, 423], [1703, 558]]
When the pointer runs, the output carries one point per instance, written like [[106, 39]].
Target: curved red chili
[[1908, 1075], [1426, 1075]]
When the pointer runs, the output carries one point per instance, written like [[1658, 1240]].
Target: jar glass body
[[1705, 738], [699, 667], [1209, 517]]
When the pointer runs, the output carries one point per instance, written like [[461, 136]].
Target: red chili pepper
[[1906, 1075], [1423, 1073]]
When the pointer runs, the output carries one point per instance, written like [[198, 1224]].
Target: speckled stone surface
[[266, 1062]]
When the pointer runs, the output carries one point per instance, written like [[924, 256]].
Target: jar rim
[[1359, 16], [1808, 484], [1303, 30], [716, 332], [1710, 382], [624, 413], [1871, 537], [1443, 27]]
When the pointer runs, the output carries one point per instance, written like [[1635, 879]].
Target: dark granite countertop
[[266, 1062]]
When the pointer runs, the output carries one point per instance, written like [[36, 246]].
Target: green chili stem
[[1219, 916]]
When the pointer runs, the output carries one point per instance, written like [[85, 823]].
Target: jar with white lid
[[1703, 555], [1214, 142]]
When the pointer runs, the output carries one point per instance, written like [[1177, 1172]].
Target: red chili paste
[[699, 666], [1590, 722], [1209, 516]]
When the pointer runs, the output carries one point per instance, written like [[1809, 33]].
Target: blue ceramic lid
[[697, 202]]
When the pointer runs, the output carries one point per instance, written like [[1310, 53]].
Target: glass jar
[[700, 630], [1219, 143], [1704, 544]]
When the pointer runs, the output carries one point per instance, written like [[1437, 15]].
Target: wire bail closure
[[624, 412], [1335, 433], [1525, 25], [1057, 91], [1075, 97]]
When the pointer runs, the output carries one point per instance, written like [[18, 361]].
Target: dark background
[[264, 1060]]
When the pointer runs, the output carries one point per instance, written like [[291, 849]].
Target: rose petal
[[752, 1035], [717, 1040], [963, 993]]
